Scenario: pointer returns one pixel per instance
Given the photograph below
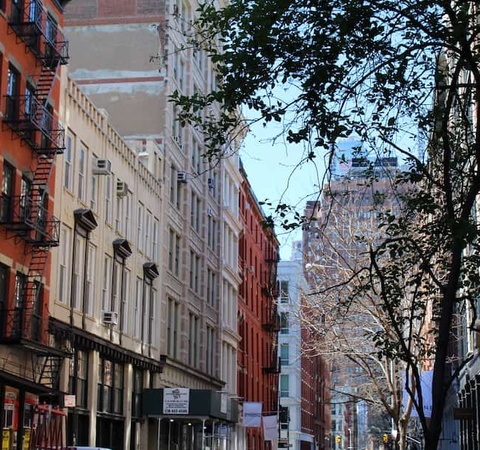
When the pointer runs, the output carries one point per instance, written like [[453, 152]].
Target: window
[[173, 320], [174, 253], [284, 294], [20, 285], [193, 340], [284, 386], [110, 387], [108, 199], [137, 312], [195, 207], [79, 377], [119, 214], [68, 166], [128, 217], [64, 272], [29, 99], [212, 232], [8, 185], [137, 391], [196, 157], [175, 188], [140, 236], [90, 281], [125, 324], [194, 272], [210, 351], [148, 234], [106, 281], [156, 227], [82, 163], [211, 288], [13, 83], [4, 272], [284, 323], [284, 354], [93, 192], [78, 272], [25, 196]]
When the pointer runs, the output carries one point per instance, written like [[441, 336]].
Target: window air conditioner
[[182, 177], [102, 167], [122, 188], [110, 317]]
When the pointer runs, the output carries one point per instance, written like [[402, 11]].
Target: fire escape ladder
[[45, 82], [34, 318], [47, 369]]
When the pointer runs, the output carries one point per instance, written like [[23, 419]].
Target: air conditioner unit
[[122, 188], [110, 317], [209, 212], [102, 167], [211, 183], [182, 177]]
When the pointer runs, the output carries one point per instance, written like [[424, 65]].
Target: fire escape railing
[[33, 222], [39, 32], [31, 118]]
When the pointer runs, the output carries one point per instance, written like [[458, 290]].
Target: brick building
[[258, 359], [33, 49]]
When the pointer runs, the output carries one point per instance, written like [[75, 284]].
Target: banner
[[426, 378], [270, 428], [252, 414]]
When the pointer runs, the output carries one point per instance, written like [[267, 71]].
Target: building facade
[[142, 59], [348, 208], [33, 50], [258, 320], [304, 377], [105, 288]]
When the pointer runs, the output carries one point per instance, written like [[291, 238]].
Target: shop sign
[[176, 400], [69, 401]]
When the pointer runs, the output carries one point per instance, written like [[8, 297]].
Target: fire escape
[[270, 317], [26, 217]]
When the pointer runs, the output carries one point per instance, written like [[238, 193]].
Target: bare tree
[[394, 73]]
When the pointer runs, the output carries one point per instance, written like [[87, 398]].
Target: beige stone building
[[147, 281]]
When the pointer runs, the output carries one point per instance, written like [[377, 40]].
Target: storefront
[[191, 419], [19, 399]]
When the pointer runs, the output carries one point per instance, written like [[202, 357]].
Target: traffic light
[[385, 438], [338, 439]]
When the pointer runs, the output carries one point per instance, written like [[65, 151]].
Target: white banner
[[270, 428], [426, 379], [252, 414], [176, 400]]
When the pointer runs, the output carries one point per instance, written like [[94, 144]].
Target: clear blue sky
[[272, 170]]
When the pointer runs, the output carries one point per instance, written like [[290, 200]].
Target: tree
[[395, 74], [347, 319]]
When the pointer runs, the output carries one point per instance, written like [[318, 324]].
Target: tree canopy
[[402, 76]]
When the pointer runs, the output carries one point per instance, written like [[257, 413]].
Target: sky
[[271, 167]]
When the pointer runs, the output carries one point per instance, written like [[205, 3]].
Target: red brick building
[[258, 362], [32, 50]]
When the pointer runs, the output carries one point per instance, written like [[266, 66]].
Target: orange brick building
[[32, 50], [258, 362]]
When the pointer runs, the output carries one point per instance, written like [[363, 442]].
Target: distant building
[[346, 208], [304, 378]]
